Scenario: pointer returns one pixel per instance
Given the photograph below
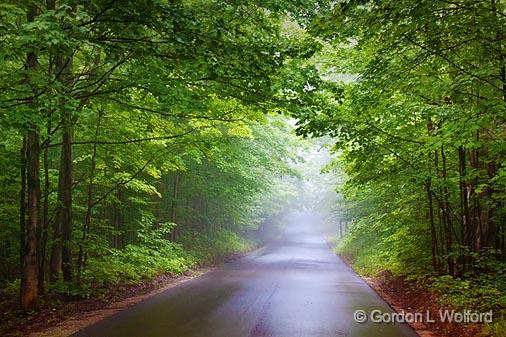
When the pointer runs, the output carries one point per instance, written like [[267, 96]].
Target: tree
[[121, 95], [422, 113]]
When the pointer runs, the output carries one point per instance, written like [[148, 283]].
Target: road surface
[[294, 287]]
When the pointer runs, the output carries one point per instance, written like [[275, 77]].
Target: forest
[[150, 137]]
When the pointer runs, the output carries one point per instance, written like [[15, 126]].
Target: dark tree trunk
[[45, 223], [22, 213], [477, 230], [434, 243], [467, 228], [29, 264], [446, 216], [89, 206], [55, 259], [173, 209], [443, 251], [65, 202], [29, 282], [63, 66]]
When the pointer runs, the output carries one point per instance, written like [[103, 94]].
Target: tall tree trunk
[[434, 243], [492, 233], [501, 238], [63, 66], [62, 227], [22, 213], [477, 214], [467, 227], [55, 259], [441, 222], [30, 265], [446, 216], [45, 222], [65, 200], [432, 225], [173, 209], [89, 204]]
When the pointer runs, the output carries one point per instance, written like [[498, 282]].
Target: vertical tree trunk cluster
[[469, 220], [36, 226]]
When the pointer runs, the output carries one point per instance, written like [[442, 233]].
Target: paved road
[[295, 287]]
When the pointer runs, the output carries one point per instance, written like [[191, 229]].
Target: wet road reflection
[[295, 287]]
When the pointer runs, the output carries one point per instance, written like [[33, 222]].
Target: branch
[[393, 136], [130, 141]]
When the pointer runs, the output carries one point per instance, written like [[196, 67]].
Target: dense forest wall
[[419, 130], [137, 138]]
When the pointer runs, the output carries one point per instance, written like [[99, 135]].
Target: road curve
[[295, 287]]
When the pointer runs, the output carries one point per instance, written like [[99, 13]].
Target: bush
[[10, 289], [477, 293], [152, 256], [213, 245], [134, 264]]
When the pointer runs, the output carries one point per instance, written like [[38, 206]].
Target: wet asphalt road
[[295, 287]]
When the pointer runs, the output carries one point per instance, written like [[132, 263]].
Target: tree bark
[[65, 201], [65, 177], [173, 209], [45, 223], [29, 265], [89, 205], [29, 289], [434, 243], [446, 216], [22, 213], [467, 228], [55, 259]]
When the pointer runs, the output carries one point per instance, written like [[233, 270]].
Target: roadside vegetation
[[137, 139], [419, 131]]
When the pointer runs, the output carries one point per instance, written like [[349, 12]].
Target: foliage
[[132, 265], [478, 293], [497, 329], [418, 129], [128, 126], [214, 246]]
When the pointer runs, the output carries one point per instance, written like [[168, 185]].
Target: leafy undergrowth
[[416, 288], [132, 265], [482, 293], [213, 246]]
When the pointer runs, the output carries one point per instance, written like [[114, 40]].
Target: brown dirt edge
[[409, 296], [73, 316]]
